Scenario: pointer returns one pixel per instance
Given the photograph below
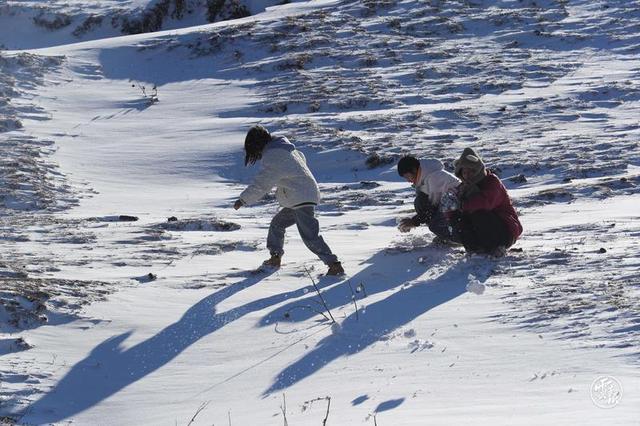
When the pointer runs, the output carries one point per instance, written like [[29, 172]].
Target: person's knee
[[439, 224], [276, 225], [424, 209], [309, 228]]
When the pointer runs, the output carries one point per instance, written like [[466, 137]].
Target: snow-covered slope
[[109, 321], [37, 23]]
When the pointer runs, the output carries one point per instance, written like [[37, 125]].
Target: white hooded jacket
[[435, 180], [284, 167]]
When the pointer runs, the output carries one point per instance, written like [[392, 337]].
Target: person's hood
[[471, 160], [280, 142]]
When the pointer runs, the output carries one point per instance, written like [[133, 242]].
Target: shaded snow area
[[128, 284]]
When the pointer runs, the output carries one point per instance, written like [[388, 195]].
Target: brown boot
[[273, 262], [335, 269]]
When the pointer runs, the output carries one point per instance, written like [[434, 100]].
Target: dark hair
[[408, 164], [255, 141]]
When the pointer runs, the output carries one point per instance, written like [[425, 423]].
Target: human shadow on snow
[[385, 271], [109, 368], [357, 332]]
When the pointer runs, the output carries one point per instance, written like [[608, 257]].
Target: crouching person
[[284, 167], [487, 222], [433, 185]]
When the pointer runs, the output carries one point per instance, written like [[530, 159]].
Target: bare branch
[[202, 407], [319, 294], [353, 299], [283, 407], [324, 422]]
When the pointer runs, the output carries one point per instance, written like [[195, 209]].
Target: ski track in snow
[[547, 91]]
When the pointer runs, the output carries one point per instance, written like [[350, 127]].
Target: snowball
[[475, 286]]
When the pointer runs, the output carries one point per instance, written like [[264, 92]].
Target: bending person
[[433, 185], [284, 167], [487, 222]]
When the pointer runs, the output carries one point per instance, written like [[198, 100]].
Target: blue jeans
[[308, 227]]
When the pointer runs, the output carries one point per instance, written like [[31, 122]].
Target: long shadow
[[359, 332], [384, 271], [108, 368]]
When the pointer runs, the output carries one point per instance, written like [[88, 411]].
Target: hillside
[[36, 23], [107, 320]]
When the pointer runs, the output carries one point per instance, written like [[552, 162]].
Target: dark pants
[[431, 215], [482, 231]]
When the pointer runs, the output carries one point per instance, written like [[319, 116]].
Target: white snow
[[475, 286], [149, 321]]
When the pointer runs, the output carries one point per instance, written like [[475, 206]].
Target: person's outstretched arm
[[263, 182]]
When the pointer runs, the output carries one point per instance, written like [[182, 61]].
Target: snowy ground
[[548, 93], [38, 23]]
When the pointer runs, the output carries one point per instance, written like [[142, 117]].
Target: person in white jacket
[[284, 167], [434, 187]]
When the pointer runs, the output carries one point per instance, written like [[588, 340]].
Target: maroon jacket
[[493, 197]]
